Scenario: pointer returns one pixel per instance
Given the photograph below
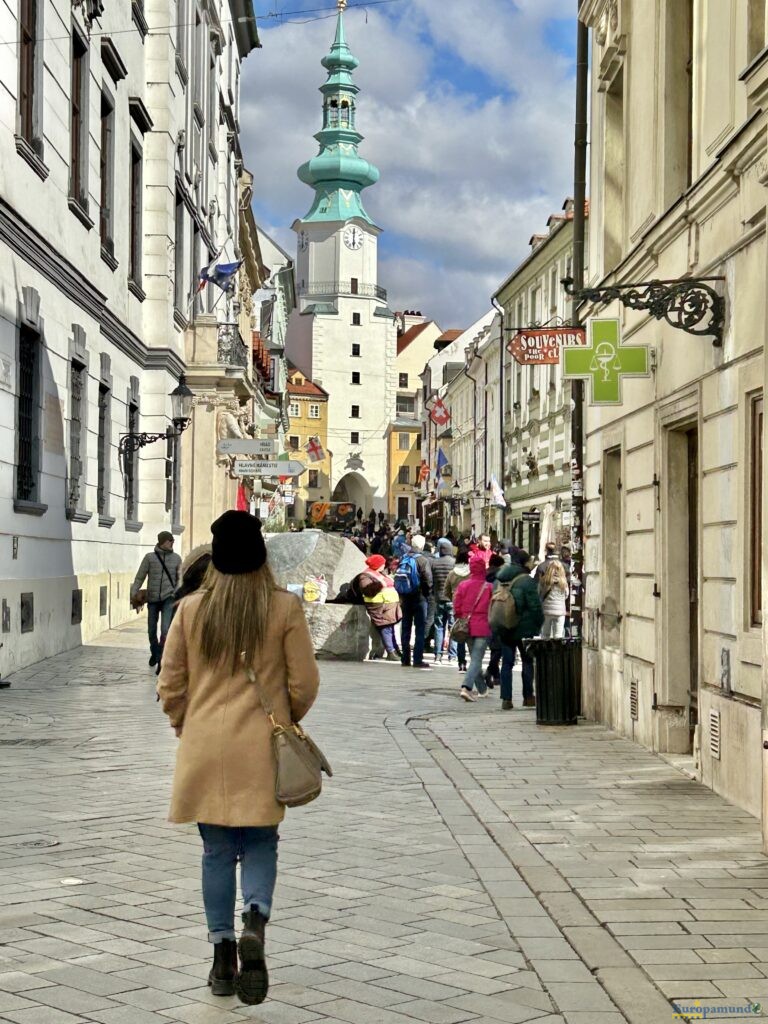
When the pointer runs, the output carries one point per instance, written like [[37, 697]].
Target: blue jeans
[[443, 625], [414, 608], [161, 611], [388, 638], [478, 645], [223, 847], [508, 663]]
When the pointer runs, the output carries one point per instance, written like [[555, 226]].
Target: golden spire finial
[[342, 5]]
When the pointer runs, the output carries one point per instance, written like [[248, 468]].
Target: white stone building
[[117, 180], [343, 336]]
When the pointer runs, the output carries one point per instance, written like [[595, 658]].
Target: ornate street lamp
[[181, 408]]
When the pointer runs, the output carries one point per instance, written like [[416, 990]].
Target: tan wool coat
[[225, 769]]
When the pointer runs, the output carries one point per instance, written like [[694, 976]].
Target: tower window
[[402, 380], [355, 378], [354, 437], [356, 350], [356, 320], [354, 286], [355, 413]]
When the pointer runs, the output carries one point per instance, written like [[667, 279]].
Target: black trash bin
[[557, 665]]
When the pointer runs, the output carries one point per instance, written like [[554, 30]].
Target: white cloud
[[470, 167]]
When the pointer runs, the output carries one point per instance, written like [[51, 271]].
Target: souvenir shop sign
[[543, 345]]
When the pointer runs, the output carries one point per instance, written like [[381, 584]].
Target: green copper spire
[[338, 174]]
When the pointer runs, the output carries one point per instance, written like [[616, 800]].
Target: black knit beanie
[[238, 543]]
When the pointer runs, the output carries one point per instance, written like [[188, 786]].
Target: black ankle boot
[[253, 980], [224, 971]]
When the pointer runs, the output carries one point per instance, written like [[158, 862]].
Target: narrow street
[[462, 865]]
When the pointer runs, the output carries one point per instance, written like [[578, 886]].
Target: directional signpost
[[605, 361], [246, 446], [257, 467]]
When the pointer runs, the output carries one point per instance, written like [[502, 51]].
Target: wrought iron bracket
[[689, 304], [130, 443]]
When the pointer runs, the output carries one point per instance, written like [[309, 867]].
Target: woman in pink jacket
[[472, 600]]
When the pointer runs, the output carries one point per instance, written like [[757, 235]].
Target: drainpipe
[[577, 386], [474, 411], [502, 389]]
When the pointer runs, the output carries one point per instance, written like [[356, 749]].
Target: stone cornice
[[31, 247]]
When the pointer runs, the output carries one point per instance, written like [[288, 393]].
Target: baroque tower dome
[[338, 174]]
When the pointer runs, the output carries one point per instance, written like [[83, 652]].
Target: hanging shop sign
[[534, 516], [254, 467], [544, 344], [246, 446], [606, 362]]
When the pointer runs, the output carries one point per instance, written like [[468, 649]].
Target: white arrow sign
[[254, 467], [244, 446]]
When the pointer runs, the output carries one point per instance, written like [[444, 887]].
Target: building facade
[[343, 335], [109, 117], [308, 415], [536, 399], [674, 478]]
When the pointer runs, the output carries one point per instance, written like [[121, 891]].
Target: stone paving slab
[[461, 866]]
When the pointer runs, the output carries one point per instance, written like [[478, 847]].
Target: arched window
[[345, 114]]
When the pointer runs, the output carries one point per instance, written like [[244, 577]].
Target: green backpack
[[503, 613]]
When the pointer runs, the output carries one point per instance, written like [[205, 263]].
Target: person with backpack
[[413, 582], [514, 616], [457, 575], [553, 591], [442, 567], [382, 602], [471, 604], [160, 568]]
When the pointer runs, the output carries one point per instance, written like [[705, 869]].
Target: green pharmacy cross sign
[[605, 361]]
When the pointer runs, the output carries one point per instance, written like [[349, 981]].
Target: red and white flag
[[315, 450], [439, 413]]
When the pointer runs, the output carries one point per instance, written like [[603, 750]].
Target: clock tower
[[342, 334]]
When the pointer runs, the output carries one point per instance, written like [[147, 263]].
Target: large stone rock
[[294, 556], [339, 631]]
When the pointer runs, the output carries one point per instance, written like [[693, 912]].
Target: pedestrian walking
[[472, 602], [382, 602], [553, 592], [457, 575], [442, 567], [160, 568], [413, 582], [493, 671], [517, 576], [229, 643]]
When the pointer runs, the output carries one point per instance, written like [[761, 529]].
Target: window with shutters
[[131, 466], [77, 440], [28, 415], [78, 122], [102, 451], [404, 475], [135, 231], [756, 510], [107, 174], [28, 73]]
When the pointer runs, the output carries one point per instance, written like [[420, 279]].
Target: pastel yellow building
[[404, 447], [308, 415]]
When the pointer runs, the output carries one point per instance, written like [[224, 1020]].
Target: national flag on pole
[[424, 474], [315, 450], [243, 504], [439, 413], [442, 460], [220, 274], [497, 494]]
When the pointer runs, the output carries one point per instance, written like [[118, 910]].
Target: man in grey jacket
[[160, 568]]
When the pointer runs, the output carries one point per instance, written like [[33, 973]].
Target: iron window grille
[[77, 381], [29, 361]]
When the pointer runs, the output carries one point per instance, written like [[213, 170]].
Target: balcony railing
[[231, 350], [352, 287]]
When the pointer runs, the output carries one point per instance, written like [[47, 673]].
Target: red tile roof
[[405, 339], [448, 336], [262, 363], [307, 389]]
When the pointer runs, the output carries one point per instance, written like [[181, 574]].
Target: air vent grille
[[633, 708], [714, 734]]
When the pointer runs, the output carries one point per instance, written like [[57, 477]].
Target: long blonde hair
[[233, 615], [554, 577]]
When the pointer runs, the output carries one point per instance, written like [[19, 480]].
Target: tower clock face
[[303, 240], [353, 237]]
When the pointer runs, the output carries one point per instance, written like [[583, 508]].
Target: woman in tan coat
[[225, 769]]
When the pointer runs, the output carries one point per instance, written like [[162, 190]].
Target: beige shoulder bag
[[300, 762]]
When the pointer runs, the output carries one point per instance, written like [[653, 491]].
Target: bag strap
[[165, 569], [479, 595]]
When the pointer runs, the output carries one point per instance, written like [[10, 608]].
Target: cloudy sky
[[466, 108]]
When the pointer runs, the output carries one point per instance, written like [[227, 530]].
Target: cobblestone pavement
[[462, 865]]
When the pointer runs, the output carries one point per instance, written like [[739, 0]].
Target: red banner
[[543, 344]]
